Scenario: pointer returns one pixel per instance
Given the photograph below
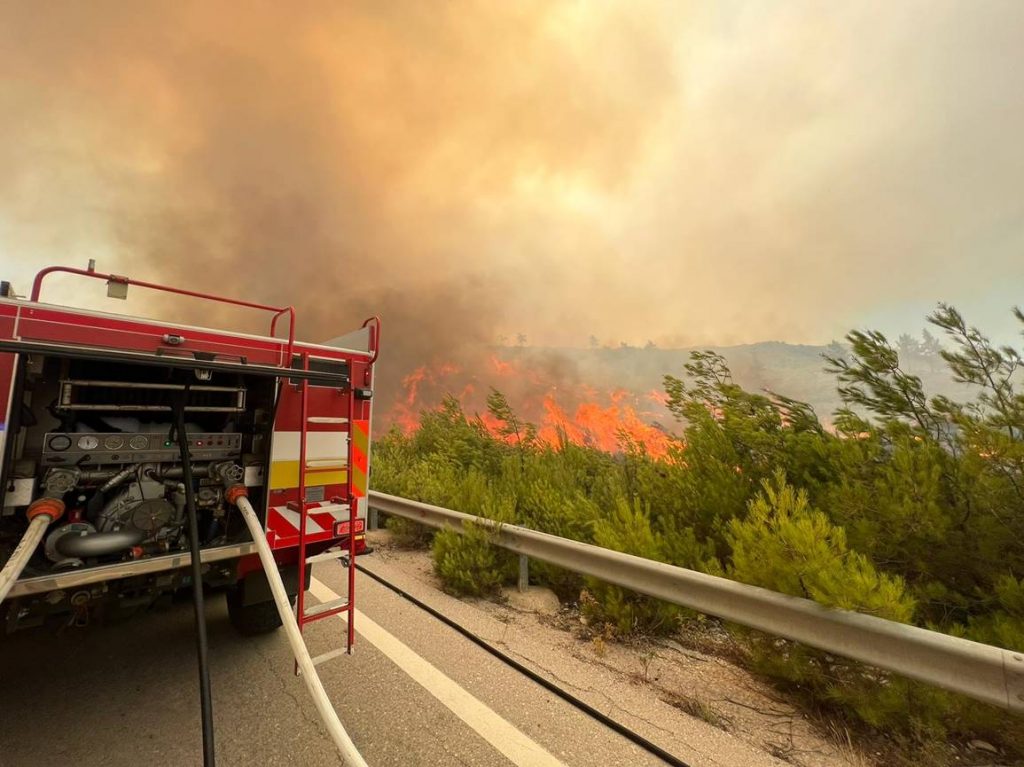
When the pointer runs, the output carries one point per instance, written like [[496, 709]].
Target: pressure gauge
[[138, 443], [112, 442], [60, 442], [88, 442]]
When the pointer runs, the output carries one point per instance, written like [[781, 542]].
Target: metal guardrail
[[986, 673]]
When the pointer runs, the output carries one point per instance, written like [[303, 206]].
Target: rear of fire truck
[[116, 432]]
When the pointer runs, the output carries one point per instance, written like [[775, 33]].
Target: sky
[[686, 173]]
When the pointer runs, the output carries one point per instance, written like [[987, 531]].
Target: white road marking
[[515, 745]]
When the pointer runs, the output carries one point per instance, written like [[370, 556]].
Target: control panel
[[78, 449]]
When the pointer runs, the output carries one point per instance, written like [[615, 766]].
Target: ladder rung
[[315, 506], [335, 605], [325, 556], [323, 657], [327, 463]]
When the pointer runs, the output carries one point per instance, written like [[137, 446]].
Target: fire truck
[[126, 445]]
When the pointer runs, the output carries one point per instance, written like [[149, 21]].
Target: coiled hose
[[40, 515], [346, 748]]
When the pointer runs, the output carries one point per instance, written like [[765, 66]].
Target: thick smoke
[[350, 159], [638, 170]]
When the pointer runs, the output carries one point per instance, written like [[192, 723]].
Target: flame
[[659, 397], [495, 427], [412, 382], [404, 418], [501, 367], [557, 426], [562, 411]]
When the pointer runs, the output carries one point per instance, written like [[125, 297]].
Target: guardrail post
[[524, 572], [371, 519]]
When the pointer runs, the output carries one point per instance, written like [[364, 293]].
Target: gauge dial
[[88, 442], [113, 442], [138, 443], [60, 442]]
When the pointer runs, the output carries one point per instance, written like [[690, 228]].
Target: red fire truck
[[132, 438]]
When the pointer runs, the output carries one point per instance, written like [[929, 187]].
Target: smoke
[[351, 159], [721, 173]]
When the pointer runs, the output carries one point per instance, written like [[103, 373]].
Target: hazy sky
[[688, 173]]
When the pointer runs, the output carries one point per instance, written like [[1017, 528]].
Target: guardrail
[[986, 673]]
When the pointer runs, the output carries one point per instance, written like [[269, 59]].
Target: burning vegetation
[[517, 401], [908, 506]]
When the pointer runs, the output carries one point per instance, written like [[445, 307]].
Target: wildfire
[[412, 384], [402, 417], [501, 367], [658, 397], [562, 411]]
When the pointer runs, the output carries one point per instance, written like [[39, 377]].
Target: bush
[[629, 530], [468, 564], [785, 545]]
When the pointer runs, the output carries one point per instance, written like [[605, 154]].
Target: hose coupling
[[233, 493], [51, 507]]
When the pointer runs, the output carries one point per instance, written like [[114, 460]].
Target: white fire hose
[[349, 754], [40, 514]]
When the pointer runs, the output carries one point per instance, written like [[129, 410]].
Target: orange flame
[[609, 421], [501, 367], [412, 384], [654, 395]]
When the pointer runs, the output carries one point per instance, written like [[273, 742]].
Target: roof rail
[[120, 280]]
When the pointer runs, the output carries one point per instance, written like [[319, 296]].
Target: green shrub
[[1005, 626], [786, 545], [629, 530], [468, 564]]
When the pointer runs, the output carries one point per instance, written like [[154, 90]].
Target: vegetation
[[908, 506]]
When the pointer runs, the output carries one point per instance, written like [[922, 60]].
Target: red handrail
[[374, 337], [37, 286]]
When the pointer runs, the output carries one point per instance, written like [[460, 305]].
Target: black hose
[[205, 698], [547, 684], [98, 544]]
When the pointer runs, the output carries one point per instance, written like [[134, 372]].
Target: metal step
[[326, 607], [323, 464], [324, 657], [316, 507]]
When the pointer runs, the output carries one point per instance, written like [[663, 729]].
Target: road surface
[[414, 693]]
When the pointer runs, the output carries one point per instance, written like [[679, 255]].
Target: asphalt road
[[414, 693]]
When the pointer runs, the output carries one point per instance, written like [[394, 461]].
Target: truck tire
[[254, 619]]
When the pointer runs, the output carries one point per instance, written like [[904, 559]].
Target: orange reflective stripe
[[360, 448]]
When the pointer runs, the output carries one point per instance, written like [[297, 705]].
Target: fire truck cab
[[88, 406]]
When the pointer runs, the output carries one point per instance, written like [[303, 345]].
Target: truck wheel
[[254, 619]]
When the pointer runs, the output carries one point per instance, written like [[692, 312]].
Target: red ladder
[[345, 604]]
